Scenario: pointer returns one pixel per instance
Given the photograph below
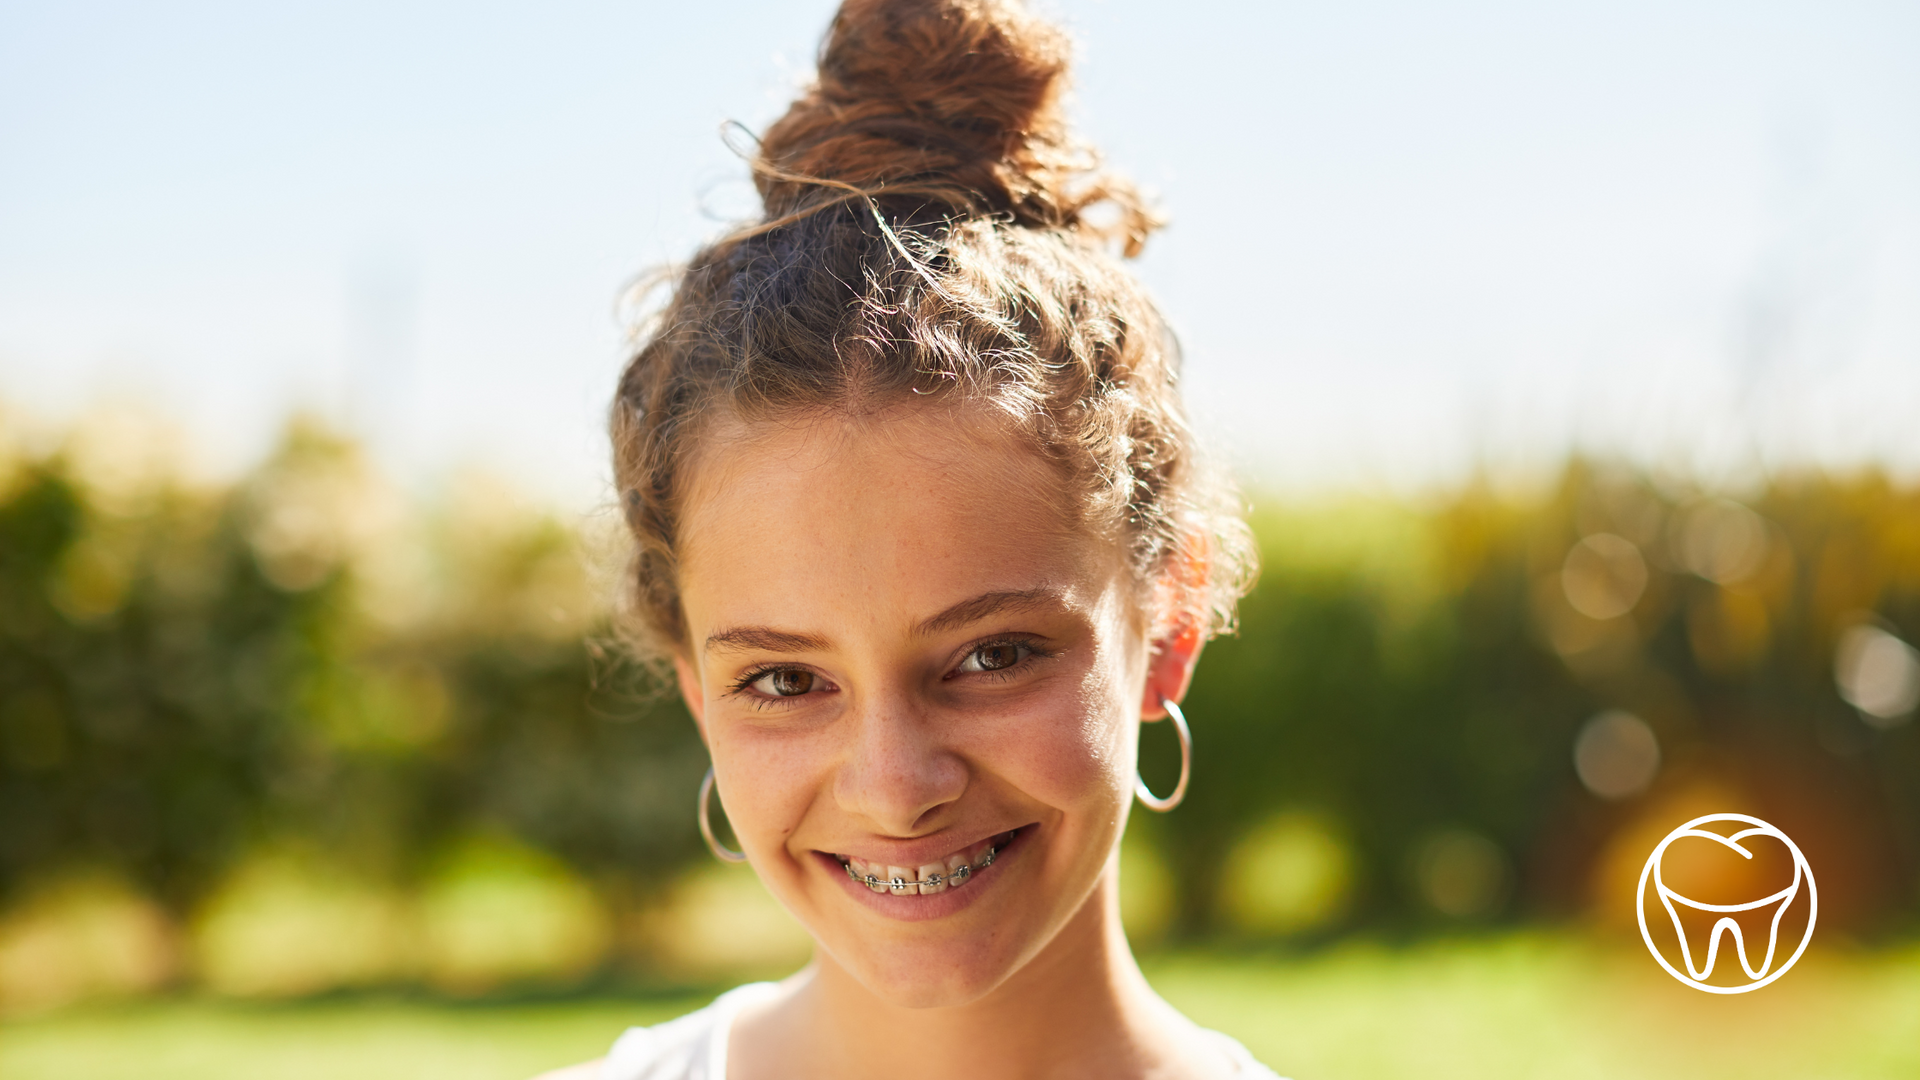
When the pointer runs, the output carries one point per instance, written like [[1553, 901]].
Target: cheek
[[768, 783], [1074, 748]]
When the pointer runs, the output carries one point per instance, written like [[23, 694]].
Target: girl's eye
[[784, 682], [995, 657]]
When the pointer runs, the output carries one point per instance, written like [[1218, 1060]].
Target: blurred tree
[[1428, 682], [146, 672], [196, 674]]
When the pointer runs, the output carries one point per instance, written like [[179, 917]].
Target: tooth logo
[[1725, 928]]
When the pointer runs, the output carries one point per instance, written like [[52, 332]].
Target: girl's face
[[901, 655]]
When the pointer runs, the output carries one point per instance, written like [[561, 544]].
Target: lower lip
[[922, 908]]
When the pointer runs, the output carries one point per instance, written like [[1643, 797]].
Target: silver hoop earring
[[1152, 801], [720, 851]]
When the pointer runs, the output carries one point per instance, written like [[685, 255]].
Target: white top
[[694, 1046]]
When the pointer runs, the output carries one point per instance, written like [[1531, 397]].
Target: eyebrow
[[986, 605], [764, 639]]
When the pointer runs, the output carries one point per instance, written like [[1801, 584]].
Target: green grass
[[1511, 1007], [1526, 1007], [362, 1039]]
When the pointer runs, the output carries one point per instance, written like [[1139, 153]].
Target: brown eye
[[996, 657], [786, 682]]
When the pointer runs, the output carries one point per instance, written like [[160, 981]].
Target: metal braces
[[898, 885]]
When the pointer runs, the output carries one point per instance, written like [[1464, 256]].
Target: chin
[[934, 976]]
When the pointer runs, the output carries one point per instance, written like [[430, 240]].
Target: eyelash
[[1032, 647], [743, 685]]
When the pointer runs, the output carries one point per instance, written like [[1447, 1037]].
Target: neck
[[1080, 1007]]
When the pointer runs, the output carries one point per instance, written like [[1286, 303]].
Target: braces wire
[[898, 885]]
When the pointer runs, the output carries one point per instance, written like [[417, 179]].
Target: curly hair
[[927, 232]]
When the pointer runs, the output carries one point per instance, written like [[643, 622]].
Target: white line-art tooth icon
[[1760, 974]]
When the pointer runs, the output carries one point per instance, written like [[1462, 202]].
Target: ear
[[689, 680], [1170, 668]]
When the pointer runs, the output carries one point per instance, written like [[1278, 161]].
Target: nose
[[897, 772]]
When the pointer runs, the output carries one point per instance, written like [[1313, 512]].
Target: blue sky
[[1407, 238]]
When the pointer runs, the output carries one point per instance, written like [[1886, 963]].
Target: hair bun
[[955, 101]]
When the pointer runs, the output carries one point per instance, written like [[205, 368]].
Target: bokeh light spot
[[1616, 755], [1722, 541], [1878, 674], [1291, 874], [1462, 874], [1604, 576]]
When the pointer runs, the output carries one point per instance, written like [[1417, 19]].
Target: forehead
[[791, 521]]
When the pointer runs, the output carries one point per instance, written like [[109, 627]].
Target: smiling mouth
[[952, 872]]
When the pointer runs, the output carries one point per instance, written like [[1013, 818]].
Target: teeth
[[929, 872], [865, 870], [930, 878]]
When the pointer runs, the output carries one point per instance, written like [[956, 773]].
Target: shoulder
[[686, 1048], [675, 1050], [1245, 1065], [588, 1070]]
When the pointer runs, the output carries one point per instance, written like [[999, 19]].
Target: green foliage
[[145, 672], [187, 675], [1426, 675]]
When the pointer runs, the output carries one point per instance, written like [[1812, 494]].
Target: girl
[[922, 534]]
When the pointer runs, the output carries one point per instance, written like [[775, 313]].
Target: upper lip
[[916, 852]]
